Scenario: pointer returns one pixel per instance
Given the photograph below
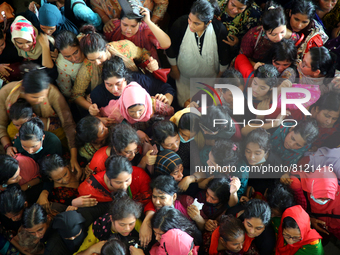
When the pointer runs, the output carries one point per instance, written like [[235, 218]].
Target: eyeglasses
[[294, 238], [130, 153]]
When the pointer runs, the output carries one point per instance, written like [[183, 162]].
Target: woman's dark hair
[[12, 200], [162, 130], [256, 208], [165, 183], [216, 112], [114, 246], [226, 152], [35, 78], [168, 218], [21, 109], [205, 10], [323, 60], [92, 41], [9, 166], [281, 51], [269, 73], [231, 228], [1, 34], [32, 130], [66, 38], [121, 136], [221, 188], [289, 222], [115, 67], [273, 16], [123, 15], [116, 164], [308, 129], [87, 130], [134, 105], [329, 101], [280, 197], [34, 215], [233, 74], [123, 206], [51, 163], [259, 136], [189, 121], [304, 7]]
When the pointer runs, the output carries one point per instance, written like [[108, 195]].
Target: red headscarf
[[308, 235]]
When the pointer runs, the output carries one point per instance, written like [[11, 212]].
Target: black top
[[10, 53], [177, 33], [101, 96]]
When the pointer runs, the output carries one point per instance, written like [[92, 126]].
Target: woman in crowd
[[140, 30], [257, 40], [91, 136], [69, 60], [295, 234], [36, 143], [208, 59], [33, 46], [169, 163], [47, 102]]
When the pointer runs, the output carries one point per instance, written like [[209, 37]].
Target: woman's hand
[[316, 225], [71, 208], [193, 212], [107, 122], [232, 40], [32, 6], [175, 74], [5, 69], [54, 54], [258, 64], [162, 98], [108, 27], [145, 233], [84, 201], [150, 159], [244, 199], [211, 225], [153, 65], [280, 118], [135, 251], [144, 138], [11, 151], [285, 179], [43, 40], [93, 110], [235, 185], [183, 185], [146, 13]]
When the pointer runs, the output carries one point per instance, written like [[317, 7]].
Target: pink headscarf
[[135, 94], [175, 242]]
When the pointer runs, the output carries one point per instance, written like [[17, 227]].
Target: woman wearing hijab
[[169, 163], [33, 46], [295, 235]]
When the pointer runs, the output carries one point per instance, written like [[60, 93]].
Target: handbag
[[160, 74], [6, 16]]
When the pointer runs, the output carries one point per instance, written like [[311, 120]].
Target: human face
[[260, 88], [103, 132], [234, 8], [294, 141], [291, 235], [306, 66], [23, 44], [298, 21], [254, 227], [195, 24], [14, 216], [228, 97], [73, 54], [130, 151], [277, 34], [122, 182], [234, 245], [171, 143], [32, 146], [326, 118], [281, 65], [18, 123], [158, 234], [115, 85], [211, 197], [124, 226], [2, 44], [38, 230], [36, 98], [48, 30], [178, 173], [61, 175], [136, 112], [254, 153], [186, 134], [15, 178], [327, 5], [160, 199], [98, 57], [129, 27]]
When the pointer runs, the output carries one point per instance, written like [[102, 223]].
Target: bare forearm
[[161, 36]]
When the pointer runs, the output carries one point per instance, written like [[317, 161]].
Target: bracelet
[[6, 146]]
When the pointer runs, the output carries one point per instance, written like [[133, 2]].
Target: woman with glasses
[[295, 235]]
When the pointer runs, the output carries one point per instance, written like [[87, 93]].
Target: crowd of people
[[112, 146]]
